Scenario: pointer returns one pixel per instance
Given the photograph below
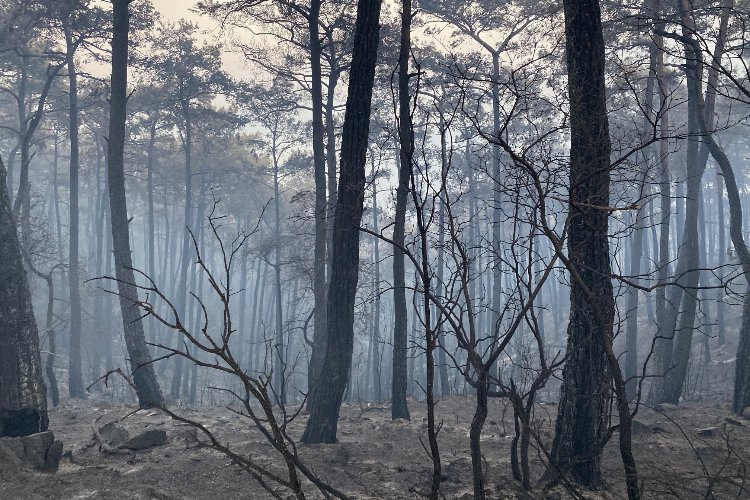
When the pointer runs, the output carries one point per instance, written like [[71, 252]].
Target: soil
[[682, 452]]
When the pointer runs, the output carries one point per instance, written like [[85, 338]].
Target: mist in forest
[[367, 249]]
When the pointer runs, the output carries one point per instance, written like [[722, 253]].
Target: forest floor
[[681, 451]]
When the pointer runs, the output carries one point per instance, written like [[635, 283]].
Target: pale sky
[[175, 10]]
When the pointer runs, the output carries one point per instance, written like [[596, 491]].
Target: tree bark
[[279, 349], [399, 408], [319, 162], [375, 339], [144, 378], [75, 378], [584, 401], [23, 395], [324, 399]]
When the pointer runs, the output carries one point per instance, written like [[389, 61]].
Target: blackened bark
[[151, 264], [75, 378], [721, 255], [663, 344], [279, 350], [23, 396], [445, 387], [49, 361], [144, 378], [324, 399], [584, 401], [375, 338], [319, 163], [475, 435], [399, 408]]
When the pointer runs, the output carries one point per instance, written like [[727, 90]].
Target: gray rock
[[147, 439], [736, 423], [39, 451], [113, 434], [707, 432]]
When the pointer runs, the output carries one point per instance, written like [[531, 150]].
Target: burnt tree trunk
[[324, 399], [23, 395], [399, 408], [319, 163], [144, 378], [75, 378], [584, 401]]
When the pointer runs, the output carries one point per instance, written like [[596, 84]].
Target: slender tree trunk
[[445, 387], [150, 236], [330, 124], [720, 257], [324, 399], [49, 361], [186, 254], [319, 161], [144, 378], [279, 349], [56, 193], [254, 333], [377, 390], [497, 209], [663, 342], [75, 380], [475, 435], [259, 323], [399, 408]]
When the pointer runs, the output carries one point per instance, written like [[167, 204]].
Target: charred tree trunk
[[75, 380], [279, 349], [150, 237], [584, 401], [721, 256], [475, 433], [23, 396], [663, 344], [324, 399], [445, 387], [144, 378], [375, 339], [319, 161], [399, 408]]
